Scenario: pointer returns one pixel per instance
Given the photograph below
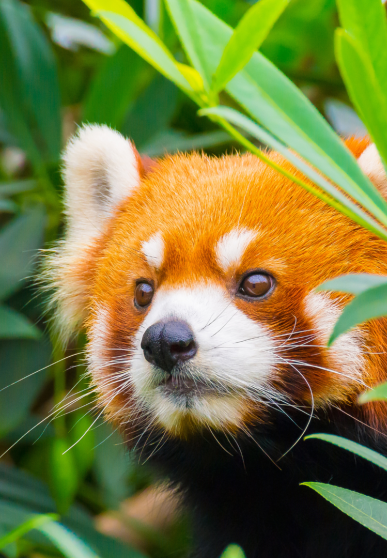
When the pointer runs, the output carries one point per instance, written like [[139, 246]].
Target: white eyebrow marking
[[231, 247], [153, 250]]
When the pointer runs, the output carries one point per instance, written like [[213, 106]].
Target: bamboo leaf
[[337, 199], [363, 87], [15, 325], [368, 305], [183, 16], [353, 283], [274, 101], [248, 36], [378, 393], [34, 522], [362, 451], [125, 23], [366, 510]]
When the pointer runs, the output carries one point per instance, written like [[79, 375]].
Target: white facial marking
[[232, 246], [234, 353], [153, 250], [345, 354]]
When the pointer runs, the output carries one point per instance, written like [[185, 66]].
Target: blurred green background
[[60, 67]]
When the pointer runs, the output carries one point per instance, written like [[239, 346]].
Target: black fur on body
[[253, 503]]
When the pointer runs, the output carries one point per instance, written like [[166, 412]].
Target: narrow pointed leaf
[[67, 542], [183, 16], [34, 522], [343, 204], [353, 283], [248, 36], [368, 305], [363, 88], [378, 393], [274, 101], [362, 451], [366, 510], [366, 21], [125, 23]]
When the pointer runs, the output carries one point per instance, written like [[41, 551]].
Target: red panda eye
[[256, 285], [143, 294]]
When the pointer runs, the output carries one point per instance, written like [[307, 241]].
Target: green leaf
[[17, 187], [337, 199], [353, 283], [368, 305], [33, 523], [126, 24], [19, 242], [365, 21], [363, 88], [378, 393], [20, 358], [111, 465], [13, 324], [63, 474], [366, 510], [114, 88], [233, 551], [152, 111], [69, 544], [362, 451], [248, 36], [182, 15], [32, 105], [272, 99], [83, 444]]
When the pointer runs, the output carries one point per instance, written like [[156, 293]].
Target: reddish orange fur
[[194, 200]]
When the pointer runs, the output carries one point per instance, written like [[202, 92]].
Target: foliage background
[[60, 67]]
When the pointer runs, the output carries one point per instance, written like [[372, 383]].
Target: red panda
[[195, 280]]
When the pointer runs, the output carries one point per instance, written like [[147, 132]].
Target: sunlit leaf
[[233, 551], [123, 20], [183, 16], [366, 510], [67, 542], [280, 106], [353, 283], [34, 522], [366, 21], [362, 451], [336, 199], [248, 36], [378, 393], [363, 88]]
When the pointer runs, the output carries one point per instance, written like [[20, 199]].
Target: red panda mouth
[[177, 386]]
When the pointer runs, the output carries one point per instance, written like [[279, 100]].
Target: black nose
[[167, 343]]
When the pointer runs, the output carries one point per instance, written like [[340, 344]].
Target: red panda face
[[196, 284]]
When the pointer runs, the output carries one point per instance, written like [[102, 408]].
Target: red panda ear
[[372, 165], [101, 168]]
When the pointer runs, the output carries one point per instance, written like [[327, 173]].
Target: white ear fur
[[100, 170], [371, 164]]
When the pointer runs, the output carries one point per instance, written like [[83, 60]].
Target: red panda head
[[196, 284]]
